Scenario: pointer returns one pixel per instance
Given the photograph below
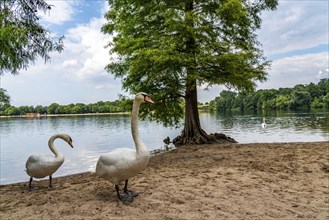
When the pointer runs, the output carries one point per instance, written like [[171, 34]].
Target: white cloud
[[61, 12], [289, 71], [87, 44], [295, 25], [70, 63], [323, 74]]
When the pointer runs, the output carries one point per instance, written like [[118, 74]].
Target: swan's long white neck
[[52, 147], [140, 146]]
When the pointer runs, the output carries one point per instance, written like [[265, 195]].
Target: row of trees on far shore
[[54, 108], [299, 97]]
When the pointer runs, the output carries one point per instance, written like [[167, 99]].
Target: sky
[[295, 38]]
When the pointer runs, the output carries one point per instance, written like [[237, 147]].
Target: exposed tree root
[[202, 139]]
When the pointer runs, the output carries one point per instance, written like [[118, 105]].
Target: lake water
[[94, 135]]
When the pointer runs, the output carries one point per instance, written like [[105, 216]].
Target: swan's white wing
[[118, 165], [40, 166], [118, 155], [116, 159]]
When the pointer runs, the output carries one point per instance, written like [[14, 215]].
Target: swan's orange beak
[[148, 99]]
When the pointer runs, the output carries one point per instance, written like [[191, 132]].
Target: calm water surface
[[94, 135]]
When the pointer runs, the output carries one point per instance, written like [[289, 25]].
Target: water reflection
[[281, 126], [94, 135]]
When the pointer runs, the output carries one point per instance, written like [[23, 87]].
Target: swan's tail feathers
[[98, 170]]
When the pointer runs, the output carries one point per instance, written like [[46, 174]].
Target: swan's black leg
[[131, 193], [31, 188], [118, 191], [50, 178], [125, 198], [125, 189], [30, 183]]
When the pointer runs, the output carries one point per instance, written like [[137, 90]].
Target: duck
[[121, 164], [40, 166]]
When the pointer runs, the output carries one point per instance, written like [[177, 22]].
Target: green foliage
[[52, 109], [226, 100], [267, 99], [167, 47], [122, 105], [301, 96], [40, 109], [317, 103], [4, 99], [12, 111], [326, 100], [282, 102], [300, 99], [22, 38]]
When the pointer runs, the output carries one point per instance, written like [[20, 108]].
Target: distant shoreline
[[62, 115]]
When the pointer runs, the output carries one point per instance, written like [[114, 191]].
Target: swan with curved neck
[[123, 163], [40, 166]]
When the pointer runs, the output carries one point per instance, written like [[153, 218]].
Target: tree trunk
[[192, 132]]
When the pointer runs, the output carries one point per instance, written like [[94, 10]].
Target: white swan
[[123, 163], [40, 166], [264, 124]]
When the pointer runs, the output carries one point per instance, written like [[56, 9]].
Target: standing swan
[[40, 166], [123, 163]]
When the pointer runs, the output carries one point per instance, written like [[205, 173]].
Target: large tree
[[22, 38], [168, 48]]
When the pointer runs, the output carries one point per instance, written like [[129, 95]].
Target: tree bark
[[192, 132]]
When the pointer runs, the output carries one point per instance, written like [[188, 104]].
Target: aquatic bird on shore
[[167, 140], [123, 163], [264, 124], [40, 166]]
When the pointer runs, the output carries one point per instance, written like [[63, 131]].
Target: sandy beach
[[218, 181]]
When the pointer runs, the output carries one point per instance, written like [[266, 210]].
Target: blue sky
[[295, 37]]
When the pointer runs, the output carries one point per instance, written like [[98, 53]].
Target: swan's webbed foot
[[126, 198], [131, 193]]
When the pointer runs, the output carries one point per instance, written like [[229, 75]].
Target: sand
[[219, 181]]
